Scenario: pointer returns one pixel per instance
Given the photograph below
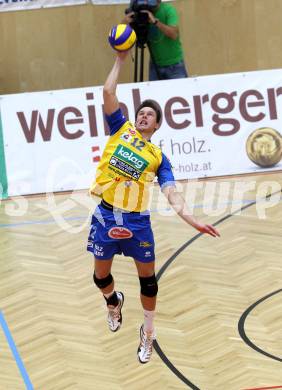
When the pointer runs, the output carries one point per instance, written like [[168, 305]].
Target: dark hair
[[152, 104]]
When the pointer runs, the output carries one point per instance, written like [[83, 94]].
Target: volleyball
[[122, 37]]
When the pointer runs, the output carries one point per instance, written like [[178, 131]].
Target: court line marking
[[83, 217], [265, 388], [242, 332], [159, 274], [157, 347], [15, 352]]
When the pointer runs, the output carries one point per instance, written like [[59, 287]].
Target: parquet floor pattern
[[57, 317]]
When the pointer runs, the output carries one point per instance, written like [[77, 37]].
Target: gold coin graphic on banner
[[264, 147]]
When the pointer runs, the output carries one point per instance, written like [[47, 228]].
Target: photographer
[[166, 54]]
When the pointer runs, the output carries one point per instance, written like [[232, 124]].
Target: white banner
[[17, 5], [109, 2], [212, 126], [20, 5]]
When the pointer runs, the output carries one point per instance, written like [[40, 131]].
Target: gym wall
[[67, 47]]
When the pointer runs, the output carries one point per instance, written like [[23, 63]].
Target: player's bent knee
[[104, 282], [149, 286]]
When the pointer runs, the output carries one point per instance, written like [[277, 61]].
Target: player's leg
[[148, 284], [103, 278], [148, 296], [104, 248], [141, 248], [105, 282]]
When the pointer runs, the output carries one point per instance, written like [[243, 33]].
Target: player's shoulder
[[127, 127], [155, 147], [157, 151]]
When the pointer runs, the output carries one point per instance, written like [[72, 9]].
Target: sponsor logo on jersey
[[126, 137], [145, 244], [128, 162], [93, 232], [120, 233], [126, 169], [98, 250], [130, 157], [90, 245], [133, 132]]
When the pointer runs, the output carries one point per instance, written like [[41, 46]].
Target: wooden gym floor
[[219, 314]]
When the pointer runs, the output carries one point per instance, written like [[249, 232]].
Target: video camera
[[139, 5], [140, 20]]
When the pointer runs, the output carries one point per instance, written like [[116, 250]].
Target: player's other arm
[[111, 103], [179, 205], [166, 181]]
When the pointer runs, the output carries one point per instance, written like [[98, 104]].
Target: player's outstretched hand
[[209, 229], [122, 55]]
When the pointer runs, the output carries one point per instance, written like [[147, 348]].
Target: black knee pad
[[104, 282], [149, 286]]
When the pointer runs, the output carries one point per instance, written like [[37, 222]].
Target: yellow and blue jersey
[[128, 167]]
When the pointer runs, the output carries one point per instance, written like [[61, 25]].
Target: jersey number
[[139, 145]]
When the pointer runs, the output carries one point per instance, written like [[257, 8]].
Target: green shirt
[[165, 51]]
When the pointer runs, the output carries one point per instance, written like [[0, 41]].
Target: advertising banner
[[20, 5], [110, 2], [3, 176], [212, 126]]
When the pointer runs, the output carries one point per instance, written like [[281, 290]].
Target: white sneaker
[[145, 348], [114, 314]]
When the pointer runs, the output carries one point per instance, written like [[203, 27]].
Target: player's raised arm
[[178, 203], [111, 103]]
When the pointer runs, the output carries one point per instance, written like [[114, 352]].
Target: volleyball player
[[121, 224]]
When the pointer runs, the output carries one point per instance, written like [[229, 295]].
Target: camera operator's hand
[[170, 31], [128, 18], [151, 17]]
